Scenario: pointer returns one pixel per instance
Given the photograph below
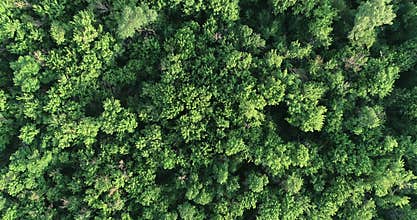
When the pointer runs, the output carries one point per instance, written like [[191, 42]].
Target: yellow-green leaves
[[183, 42], [58, 32], [282, 5], [234, 145], [297, 50], [133, 19], [222, 172], [228, 10], [5, 122], [85, 30], [371, 14], [293, 184], [321, 27], [256, 182], [116, 119], [49, 8], [26, 70], [190, 212], [383, 81], [304, 109], [368, 118], [3, 100], [28, 133]]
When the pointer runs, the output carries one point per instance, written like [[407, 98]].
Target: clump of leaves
[[133, 19]]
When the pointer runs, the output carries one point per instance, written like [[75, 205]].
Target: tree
[[133, 19], [304, 110], [371, 14]]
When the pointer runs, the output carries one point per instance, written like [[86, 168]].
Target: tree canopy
[[208, 109]]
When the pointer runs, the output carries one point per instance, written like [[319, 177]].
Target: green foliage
[[368, 118], [133, 19], [189, 212], [281, 5], [304, 110], [28, 133], [25, 76], [3, 101], [208, 109], [256, 182], [321, 28], [293, 184], [84, 31], [371, 14], [58, 32], [117, 119]]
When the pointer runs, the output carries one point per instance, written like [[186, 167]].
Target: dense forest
[[208, 109]]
